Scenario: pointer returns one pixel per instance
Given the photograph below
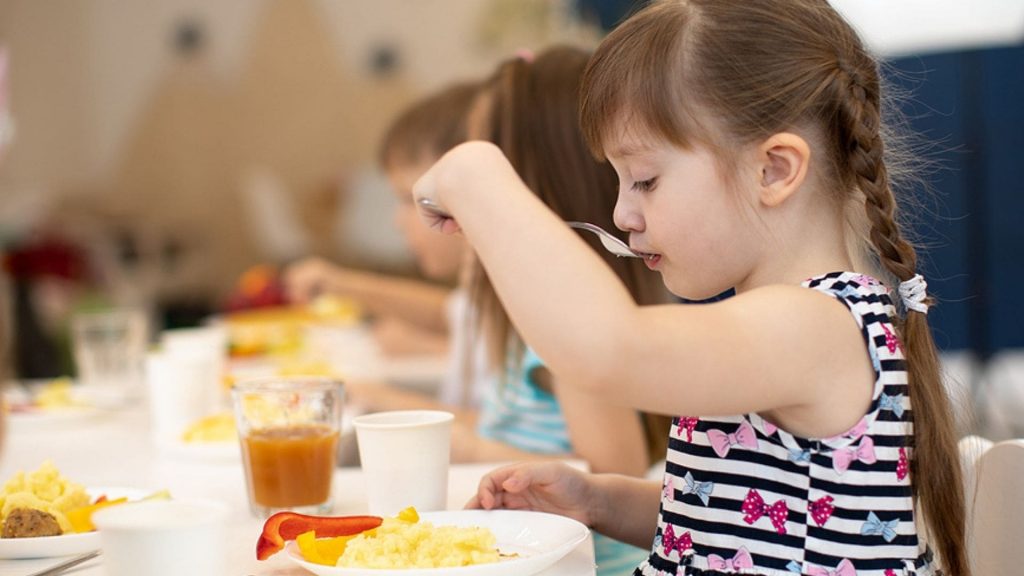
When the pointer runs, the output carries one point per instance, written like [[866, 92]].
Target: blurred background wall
[[188, 140], [183, 141]]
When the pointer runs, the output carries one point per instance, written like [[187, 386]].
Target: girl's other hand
[[542, 486]]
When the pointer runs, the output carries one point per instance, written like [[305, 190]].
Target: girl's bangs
[[635, 82]]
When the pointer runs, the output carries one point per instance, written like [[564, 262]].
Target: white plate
[[65, 544], [49, 418], [539, 539]]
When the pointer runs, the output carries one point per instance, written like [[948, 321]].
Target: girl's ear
[[783, 159]]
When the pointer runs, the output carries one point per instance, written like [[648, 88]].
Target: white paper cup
[[163, 538], [182, 388], [405, 457]]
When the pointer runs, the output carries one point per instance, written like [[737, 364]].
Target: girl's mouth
[[651, 260]]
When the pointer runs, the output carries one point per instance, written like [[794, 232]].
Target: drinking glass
[[289, 428]]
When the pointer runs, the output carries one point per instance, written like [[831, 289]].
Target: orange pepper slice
[[81, 518]]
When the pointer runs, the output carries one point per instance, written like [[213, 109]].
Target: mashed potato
[[45, 490], [400, 544]]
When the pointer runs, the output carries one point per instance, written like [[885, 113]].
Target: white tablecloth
[[113, 449]]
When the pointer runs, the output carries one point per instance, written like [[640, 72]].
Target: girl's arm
[[630, 513], [420, 303], [609, 437], [783, 350]]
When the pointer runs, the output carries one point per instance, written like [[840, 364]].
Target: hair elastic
[[913, 292], [526, 55]]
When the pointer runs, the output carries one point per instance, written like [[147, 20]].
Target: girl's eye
[[644, 185]]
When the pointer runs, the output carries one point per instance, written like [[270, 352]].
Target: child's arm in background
[[609, 437], [618, 506], [415, 301], [783, 350]]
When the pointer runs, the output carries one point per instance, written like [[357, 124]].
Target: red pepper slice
[[285, 526]]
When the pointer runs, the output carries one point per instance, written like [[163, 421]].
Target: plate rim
[[560, 551], [67, 544]]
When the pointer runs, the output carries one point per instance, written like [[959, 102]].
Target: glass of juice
[[288, 428]]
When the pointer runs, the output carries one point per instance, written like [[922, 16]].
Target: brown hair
[[532, 116], [723, 74], [429, 127]]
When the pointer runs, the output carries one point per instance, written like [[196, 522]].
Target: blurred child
[[529, 109], [748, 141], [411, 316]]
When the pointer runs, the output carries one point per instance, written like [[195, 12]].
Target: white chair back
[[996, 524]]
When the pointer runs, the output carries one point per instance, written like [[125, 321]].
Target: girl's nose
[[627, 216]]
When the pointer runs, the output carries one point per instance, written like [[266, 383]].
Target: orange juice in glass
[[288, 428]]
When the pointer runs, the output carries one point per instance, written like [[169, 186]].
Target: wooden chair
[[996, 522]]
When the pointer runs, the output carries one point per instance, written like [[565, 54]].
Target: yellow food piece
[[45, 490], [81, 518], [400, 543], [324, 551], [56, 394], [215, 428]]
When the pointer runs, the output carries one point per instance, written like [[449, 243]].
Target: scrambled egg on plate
[[401, 544], [44, 490]]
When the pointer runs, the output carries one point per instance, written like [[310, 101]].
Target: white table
[[113, 449]]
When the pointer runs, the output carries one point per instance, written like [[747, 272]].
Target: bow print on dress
[[769, 428], [821, 509], [876, 527], [721, 442], [863, 452], [701, 489], [865, 280], [902, 465], [754, 507], [669, 541], [890, 572], [799, 457], [741, 561], [689, 424], [894, 403], [858, 430], [891, 341], [668, 493], [845, 568]]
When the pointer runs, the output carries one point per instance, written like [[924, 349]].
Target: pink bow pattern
[[744, 436], [845, 568], [754, 508], [902, 465], [891, 341], [863, 452], [770, 428], [890, 572], [669, 491], [741, 561], [669, 541], [821, 509], [688, 423], [864, 280]]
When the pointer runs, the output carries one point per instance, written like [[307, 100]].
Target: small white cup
[[405, 457], [182, 388], [163, 538]]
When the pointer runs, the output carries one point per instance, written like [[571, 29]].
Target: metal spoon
[[65, 566], [610, 243]]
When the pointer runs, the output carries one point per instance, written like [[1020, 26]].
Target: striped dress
[[525, 416], [743, 496]]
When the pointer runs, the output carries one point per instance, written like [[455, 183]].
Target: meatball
[[29, 523]]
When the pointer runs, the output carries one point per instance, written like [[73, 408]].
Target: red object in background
[[258, 287], [46, 258]]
